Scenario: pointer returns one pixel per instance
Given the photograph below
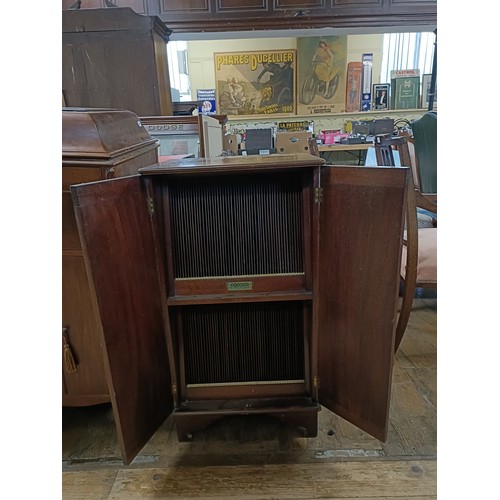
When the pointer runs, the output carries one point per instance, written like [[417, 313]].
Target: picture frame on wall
[[321, 75], [426, 89], [259, 83], [353, 86], [380, 96]]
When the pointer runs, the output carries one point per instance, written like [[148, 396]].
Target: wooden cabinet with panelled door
[[248, 15], [234, 286], [97, 144], [115, 58]]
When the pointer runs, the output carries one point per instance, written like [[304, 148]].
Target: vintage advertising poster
[[405, 89], [426, 90], [296, 126], [380, 96], [366, 90], [321, 75], [353, 87], [207, 99], [256, 83]]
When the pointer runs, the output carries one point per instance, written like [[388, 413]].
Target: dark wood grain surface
[[361, 230], [123, 263]]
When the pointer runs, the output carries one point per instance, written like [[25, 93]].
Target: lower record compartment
[[242, 350], [300, 412], [241, 359]]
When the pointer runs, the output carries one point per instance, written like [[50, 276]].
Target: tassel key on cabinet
[[69, 361]]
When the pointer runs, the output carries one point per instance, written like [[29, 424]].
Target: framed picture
[[426, 90], [321, 74], [380, 96], [255, 83], [353, 86]]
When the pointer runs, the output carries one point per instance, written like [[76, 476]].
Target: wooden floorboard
[[92, 484], [335, 480], [259, 457], [361, 479]]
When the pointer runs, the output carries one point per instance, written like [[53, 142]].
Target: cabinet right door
[[360, 236]]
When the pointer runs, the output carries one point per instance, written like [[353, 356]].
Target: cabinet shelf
[[256, 284], [239, 297], [264, 405]]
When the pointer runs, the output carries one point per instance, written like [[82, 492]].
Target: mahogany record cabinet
[[245, 285]]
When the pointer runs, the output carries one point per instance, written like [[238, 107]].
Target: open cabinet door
[[211, 144], [118, 233], [360, 235]]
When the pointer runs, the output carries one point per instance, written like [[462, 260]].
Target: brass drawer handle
[[110, 173]]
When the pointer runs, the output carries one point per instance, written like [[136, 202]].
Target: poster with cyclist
[[256, 83], [321, 75]]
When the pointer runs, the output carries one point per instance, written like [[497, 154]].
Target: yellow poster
[[255, 83], [321, 75]]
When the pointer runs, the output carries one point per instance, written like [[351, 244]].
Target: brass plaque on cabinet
[[239, 286]]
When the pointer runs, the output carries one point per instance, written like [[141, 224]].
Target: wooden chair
[[419, 254], [425, 141], [313, 146], [384, 145]]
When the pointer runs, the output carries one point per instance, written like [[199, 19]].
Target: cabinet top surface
[[228, 164]]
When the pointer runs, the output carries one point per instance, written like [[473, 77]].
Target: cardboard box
[[232, 142], [292, 142]]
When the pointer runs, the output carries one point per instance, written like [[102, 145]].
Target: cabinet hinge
[[174, 389], [150, 205], [318, 195], [316, 382]]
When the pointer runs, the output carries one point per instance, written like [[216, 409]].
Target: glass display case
[[177, 135]]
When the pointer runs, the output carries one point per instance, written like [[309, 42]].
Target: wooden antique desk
[[360, 150]]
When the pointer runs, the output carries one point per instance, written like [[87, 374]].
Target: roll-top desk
[[242, 285]]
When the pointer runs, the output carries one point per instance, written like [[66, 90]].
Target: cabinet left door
[[119, 232]]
